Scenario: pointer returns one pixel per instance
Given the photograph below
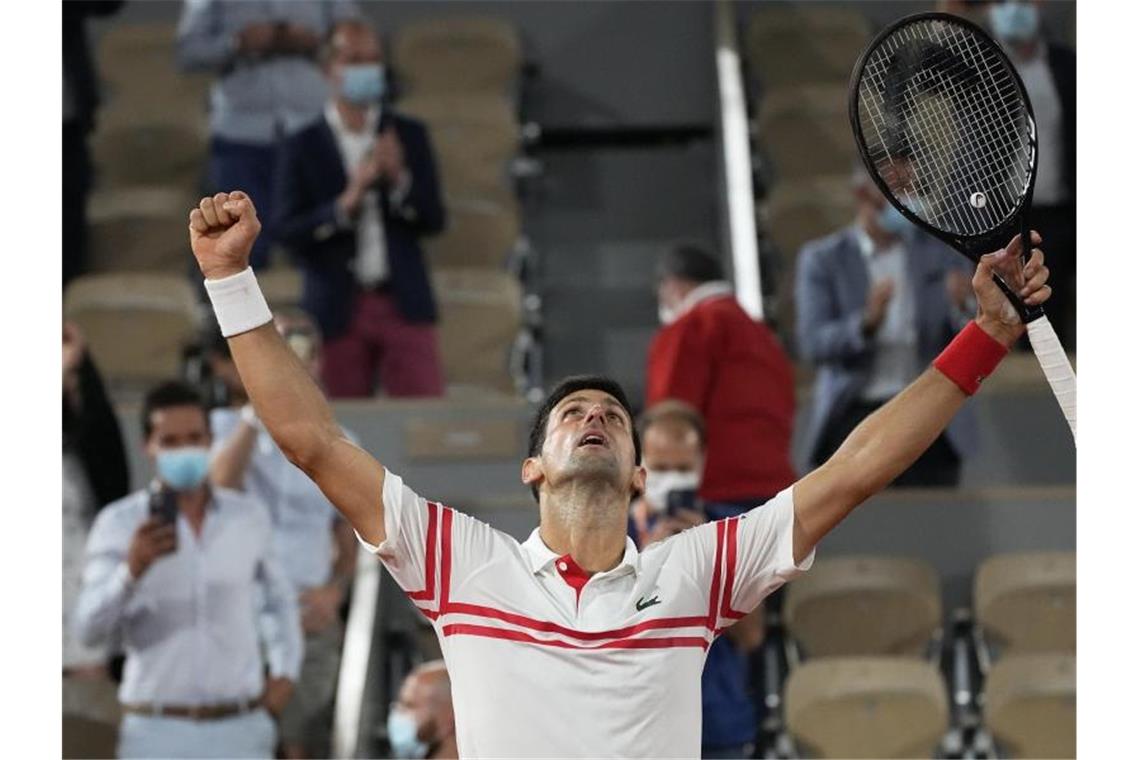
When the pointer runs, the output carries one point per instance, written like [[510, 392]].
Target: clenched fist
[[222, 231], [996, 314]]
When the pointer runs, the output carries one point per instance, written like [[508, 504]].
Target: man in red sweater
[[711, 354]]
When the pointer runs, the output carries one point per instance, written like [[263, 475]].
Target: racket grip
[[1055, 365]]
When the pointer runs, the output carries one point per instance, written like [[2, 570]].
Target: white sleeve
[[743, 559], [764, 552], [407, 549]]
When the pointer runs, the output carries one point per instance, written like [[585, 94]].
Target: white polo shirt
[[547, 663]]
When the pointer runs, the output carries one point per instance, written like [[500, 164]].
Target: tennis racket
[[944, 126]]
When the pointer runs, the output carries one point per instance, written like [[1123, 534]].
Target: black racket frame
[[972, 246]]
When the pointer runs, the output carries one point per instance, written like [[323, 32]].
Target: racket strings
[[929, 76], [936, 102]]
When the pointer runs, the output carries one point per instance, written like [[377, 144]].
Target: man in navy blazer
[[356, 189], [875, 303]]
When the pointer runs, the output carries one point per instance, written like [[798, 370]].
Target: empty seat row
[[139, 324], [1024, 603], [897, 707]]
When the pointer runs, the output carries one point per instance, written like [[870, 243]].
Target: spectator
[[1049, 72], [306, 527], [421, 724], [732, 369], [356, 191], [175, 569], [875, 303], [94, 472], [80, 99], [673, 455], [673, 440], [268, 84]]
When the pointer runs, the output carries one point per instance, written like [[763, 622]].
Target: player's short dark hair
[[673, 410], [573, 385], [166, 395], [690, 261]]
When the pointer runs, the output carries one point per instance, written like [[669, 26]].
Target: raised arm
[[287, 401], [892, 438]]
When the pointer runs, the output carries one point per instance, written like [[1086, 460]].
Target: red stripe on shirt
[[714, 590], [429, 557], [730, 573], [668, 642], [478, 610], [445, 571]]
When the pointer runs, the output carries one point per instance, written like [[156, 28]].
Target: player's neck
[[587, 524]]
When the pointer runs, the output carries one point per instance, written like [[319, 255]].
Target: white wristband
[[238, 303]]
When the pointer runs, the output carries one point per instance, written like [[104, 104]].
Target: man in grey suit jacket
[[875, 303]]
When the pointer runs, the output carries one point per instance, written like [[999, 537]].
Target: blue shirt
[[254, 101], [302, 517], [189, 623]]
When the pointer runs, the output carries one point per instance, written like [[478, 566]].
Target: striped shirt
[[546, 660]]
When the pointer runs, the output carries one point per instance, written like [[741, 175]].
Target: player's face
[[589, 435]]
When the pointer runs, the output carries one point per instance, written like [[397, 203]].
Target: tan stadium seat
[[281, 286], [136, 324], [864, 605], [474, 137], [805, 44], [801, 210], [479, 233], [480, 318], [138, 67], [805, 131], [1031, 705], [1028, 602], [882, 707], [139, 229], [148, 154], [458, 55]]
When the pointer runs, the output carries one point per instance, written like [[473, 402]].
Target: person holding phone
[[175, 569]]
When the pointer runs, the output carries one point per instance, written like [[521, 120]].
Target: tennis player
[[573, 643]]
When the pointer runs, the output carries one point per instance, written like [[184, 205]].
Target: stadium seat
[[805, 131], [882, 707], [1031, 705], [148, 154], [140, 75], [281, 286], [804, 43], [864, 605], [801, 210], [458, 55], [1028, 602], [139, 229], [474, 139], [135, 324], [480, 233], [480, 318]]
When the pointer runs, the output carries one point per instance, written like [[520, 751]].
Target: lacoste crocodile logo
[[643, 604]]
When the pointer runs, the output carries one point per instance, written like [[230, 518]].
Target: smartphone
[[685, 498], [163, 503]]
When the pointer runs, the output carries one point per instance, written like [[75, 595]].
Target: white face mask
[[658, 484], [666, 314]]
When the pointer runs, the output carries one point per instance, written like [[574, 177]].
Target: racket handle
[[1055, 365]]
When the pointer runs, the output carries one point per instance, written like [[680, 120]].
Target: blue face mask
[[363, 83], [402, 736], [892, 221], [183, 469], [1014, 22]]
